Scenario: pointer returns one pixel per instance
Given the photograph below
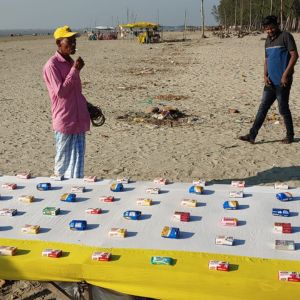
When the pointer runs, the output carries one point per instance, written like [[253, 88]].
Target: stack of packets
[[289, 276], [283, 227], [284, 245], [24, 175], [101, 256], [161, 260], [238, 192], [33, 229], [54, 253], [90, 178], [8, 212], [182, 216], [118, 232], [9, 186], [218, 265], [26, 198], [144, 201], [8, 250], [161, 181]]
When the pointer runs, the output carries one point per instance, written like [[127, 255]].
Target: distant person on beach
[[281, 56], [70, 116]]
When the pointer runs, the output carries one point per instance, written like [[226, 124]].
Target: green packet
[[51, 211], [161, 260]]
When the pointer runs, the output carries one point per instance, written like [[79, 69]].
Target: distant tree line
[[248, 14]]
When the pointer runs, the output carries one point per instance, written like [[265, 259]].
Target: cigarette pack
[[218, 265], [153, 190], [24, 175], [44, 186], [55, 253], [132, 214], [284, 245], [123, 180], [231, 205], [170, 232], [26, 198], [144, 202], [8, 250], [101, 256], [116, 187], [117, 232], [236, 194], [189, 202], [224, 240], [286, 196], [9, 186], [289, 276], [90, 178], [51, 211], [93, 211], [68, 197], [281, 186], [77, 189], [182, 216], [78, 225], [200, 182], [196, 189], [229, 221], [239, 184], [107, 198], [34, 229], [57, 177], [161, 181], [8, 212], [283, 227], [161, 260], [281, 212]]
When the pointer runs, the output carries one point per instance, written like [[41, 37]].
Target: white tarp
[[253, 237]]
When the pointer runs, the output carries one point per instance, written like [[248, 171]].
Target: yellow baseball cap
[[64, 32]]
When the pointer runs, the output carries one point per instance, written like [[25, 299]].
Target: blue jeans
[[270, 94]]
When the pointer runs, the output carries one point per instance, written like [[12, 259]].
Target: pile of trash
[[157, 115]]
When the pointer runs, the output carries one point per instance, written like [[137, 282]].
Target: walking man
[[280, 58], [70, 117]]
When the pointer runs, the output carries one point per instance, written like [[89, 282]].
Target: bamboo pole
[[202, 9], [250, 15], [235, 14]]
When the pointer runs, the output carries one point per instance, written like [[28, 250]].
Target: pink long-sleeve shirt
[[68, 105]]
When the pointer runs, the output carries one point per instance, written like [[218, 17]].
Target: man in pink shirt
[[70, 116]]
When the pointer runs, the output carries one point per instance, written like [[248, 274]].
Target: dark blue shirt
[[278, 55]]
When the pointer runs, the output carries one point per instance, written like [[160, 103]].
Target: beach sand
[[207, 76]]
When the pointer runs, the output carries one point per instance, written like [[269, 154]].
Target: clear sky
[[47, 14]]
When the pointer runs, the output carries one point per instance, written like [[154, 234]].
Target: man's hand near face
[[79, 63]]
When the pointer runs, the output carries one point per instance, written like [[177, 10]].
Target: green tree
[[249, 13]]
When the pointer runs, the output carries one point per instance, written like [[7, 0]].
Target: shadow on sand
[[268, 176]]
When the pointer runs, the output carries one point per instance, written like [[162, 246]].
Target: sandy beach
[[206, 77]]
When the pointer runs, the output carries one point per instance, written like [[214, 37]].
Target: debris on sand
[[170, 97], [159, 115], [233, 111]]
